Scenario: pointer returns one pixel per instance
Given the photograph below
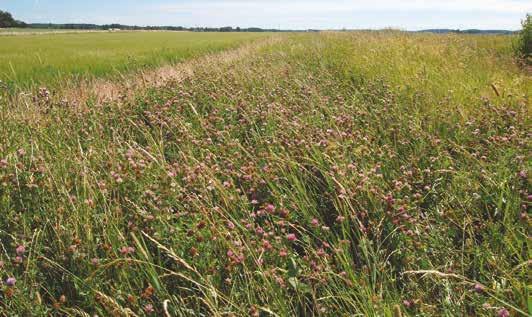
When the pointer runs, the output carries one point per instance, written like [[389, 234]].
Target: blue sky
[[287, 14]]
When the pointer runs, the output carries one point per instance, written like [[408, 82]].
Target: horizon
[[411, 15]]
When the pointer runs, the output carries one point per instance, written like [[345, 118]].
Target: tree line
[[75, 26], [7, 21]]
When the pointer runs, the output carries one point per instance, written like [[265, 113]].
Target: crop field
[[311, 174], [50, 60]]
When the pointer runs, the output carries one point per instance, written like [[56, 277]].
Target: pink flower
[[479, 288], [269, 208], [20, 250], [127, 250], [408, 303], [503, 312], [11, 281], [315, 222], [149, 309], [291, 237]]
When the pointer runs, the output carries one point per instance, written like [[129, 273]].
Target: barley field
[[313, 174]]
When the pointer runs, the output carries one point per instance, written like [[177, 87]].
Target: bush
[[524, 47]]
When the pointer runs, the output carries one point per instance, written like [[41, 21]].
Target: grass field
[[331, 174], [49, 60]]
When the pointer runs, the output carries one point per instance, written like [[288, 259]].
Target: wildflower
[[11, 281], [20, 250], [503, 312], [230, 225], [340, 219], [408, 303], [127, 250], [315, 222], [259, 231], [523, 174], [266, 245], [283, 253], [270, 208], [149, 309], [95, 261], [291, 237], [479, 288]]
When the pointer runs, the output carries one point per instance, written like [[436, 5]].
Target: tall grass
[[333, 174]]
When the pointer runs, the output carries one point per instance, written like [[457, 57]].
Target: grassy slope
[[395, 144], [51, 59]]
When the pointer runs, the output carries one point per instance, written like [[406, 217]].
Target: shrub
[[524, 47]]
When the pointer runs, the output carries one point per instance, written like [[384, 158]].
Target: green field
[[49, 59], [331, 174]]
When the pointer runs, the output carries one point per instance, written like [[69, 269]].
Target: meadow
[[328, 174], [50, 60]]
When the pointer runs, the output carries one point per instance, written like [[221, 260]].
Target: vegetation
[[330, 174], [7, 21], [52, 60], [524, 46]]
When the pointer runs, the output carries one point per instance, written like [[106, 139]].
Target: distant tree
[[524, 44], [7, 21]]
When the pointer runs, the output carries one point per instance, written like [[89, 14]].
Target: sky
[[285, 14]]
